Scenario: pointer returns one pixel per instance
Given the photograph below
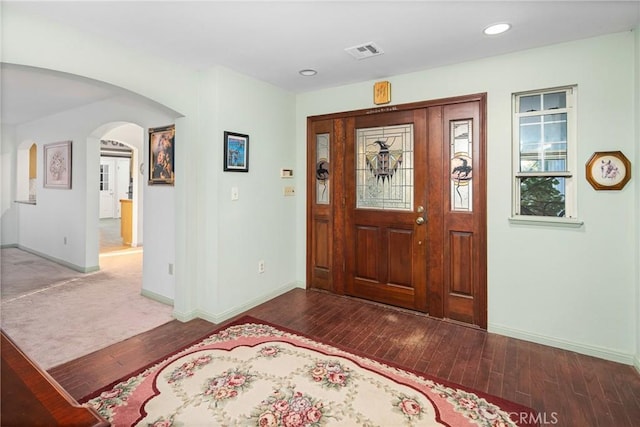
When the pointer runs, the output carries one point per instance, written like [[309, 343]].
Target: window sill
[[549, 221]]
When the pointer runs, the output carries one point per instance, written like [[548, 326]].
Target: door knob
[[420, 220]]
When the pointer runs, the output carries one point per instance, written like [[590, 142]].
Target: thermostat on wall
[[286, 173]]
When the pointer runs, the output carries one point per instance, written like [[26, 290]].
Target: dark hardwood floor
[[566, 388]]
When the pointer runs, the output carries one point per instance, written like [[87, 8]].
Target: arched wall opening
[[64, 224], [132, 136], [26, 171]]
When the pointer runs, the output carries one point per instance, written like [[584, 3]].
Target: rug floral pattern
[[258, 375]]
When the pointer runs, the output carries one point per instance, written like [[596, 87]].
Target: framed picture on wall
[[161, 155], [236, 152], [57, 165], [608, 170]]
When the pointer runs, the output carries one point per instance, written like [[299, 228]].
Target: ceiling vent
[[363, 51]]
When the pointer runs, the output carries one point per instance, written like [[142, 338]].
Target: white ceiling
[[272, 41]]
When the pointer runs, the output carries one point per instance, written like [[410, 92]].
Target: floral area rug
[[252, 373]]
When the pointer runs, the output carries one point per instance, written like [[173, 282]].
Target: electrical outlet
[[235, 194], [289, 191], [170, 269], [65, 240], [261, 266]]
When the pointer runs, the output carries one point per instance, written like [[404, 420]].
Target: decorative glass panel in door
[[461, 155], [384, 168], [322, 169], [386, 215]]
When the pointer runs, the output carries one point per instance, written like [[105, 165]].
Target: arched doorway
[[120, 187], [26, 171], [64, 225]]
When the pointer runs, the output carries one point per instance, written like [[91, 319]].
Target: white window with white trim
[[544, 155]]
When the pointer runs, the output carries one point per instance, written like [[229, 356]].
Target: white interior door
[[122, 182], [107, 188]]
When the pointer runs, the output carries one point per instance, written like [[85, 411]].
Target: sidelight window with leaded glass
[[322, 169], [460, 165]]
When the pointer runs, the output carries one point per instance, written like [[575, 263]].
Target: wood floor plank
[[567, 389], [628, 384], [499, 353], [595, 391], [578, 382], [417, 335], [496, 382], [474, 345], [462, 357], [447, 354], [481, 382], [577, 407], [511, 368], [523, 385]]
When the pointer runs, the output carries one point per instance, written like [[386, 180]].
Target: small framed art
[[57, 165], [236, 152], [161, 155], [381, 93], [608, 170]]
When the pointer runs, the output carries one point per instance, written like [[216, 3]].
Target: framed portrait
[[161, 155], [57, 165], [236, 152], [608, 170]]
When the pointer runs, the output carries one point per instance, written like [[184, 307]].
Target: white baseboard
[[234, 311], [636, 363], [156, 297], [589, 350], [185, 317], [61, 262]]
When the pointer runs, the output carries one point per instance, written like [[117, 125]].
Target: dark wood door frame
[[325, 223]]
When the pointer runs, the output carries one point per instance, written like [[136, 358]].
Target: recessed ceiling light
[[308, 72], [495, 29]]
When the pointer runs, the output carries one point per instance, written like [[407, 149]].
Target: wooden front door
[[385, 222], [396, 207]]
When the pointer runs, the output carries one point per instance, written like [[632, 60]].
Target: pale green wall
[[235, 235], [8, 171], [574, 288], [31, 41], [216, 243], [635, 165], [28, 40], [589, 300]]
